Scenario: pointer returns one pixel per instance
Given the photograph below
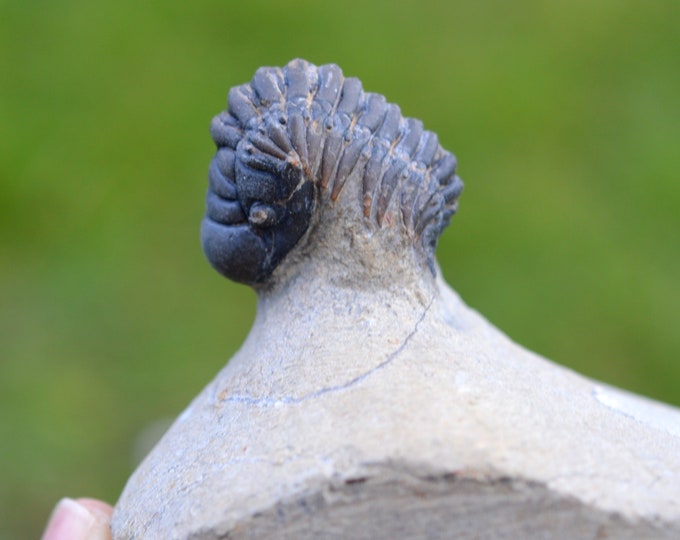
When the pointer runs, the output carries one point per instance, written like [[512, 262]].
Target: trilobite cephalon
[[296, 133]]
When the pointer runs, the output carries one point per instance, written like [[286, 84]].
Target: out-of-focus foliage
[[565, 118]]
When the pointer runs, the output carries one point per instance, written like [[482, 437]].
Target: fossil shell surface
[[301, 132]]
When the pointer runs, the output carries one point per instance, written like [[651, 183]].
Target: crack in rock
[[290, 400]]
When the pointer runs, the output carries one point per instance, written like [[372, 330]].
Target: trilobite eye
[[263, 215]]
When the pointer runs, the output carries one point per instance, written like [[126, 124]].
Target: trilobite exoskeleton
[[300, 132]]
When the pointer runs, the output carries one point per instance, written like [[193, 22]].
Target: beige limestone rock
[[381, 415]]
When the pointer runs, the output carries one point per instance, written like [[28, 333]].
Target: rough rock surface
[[377, 416]]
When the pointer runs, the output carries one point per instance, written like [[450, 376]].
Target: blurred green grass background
[[565, 118]]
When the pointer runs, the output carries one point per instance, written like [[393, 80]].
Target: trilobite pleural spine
[[298, 133]]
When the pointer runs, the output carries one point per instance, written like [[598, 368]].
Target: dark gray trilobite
[[297, 133]]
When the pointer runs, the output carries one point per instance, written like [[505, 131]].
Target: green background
[[565, 118]]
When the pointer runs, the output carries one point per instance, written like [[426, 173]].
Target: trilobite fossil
[[298, 133]]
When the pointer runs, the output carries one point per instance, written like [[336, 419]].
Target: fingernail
[[69, 521]]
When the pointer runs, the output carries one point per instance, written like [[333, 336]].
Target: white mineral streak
[[392, 410]]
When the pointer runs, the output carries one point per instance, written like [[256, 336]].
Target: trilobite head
[[299, 133]]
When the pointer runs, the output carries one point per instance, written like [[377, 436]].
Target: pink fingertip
[[69, 521]]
